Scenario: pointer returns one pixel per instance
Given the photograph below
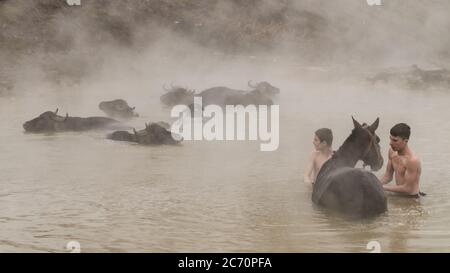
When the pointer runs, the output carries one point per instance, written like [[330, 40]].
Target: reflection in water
[[213, 196]]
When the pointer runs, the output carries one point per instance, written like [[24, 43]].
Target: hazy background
[[50, 42]]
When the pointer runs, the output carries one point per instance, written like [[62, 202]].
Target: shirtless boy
[[323, 139], [403, 163]]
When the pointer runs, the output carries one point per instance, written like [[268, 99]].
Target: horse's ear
[[374, 125], [356, 123]]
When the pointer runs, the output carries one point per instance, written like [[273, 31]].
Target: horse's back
[[351, 191]]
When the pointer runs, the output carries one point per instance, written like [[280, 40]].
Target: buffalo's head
[[154, 134], [117, 108], [265, 88], [47, 122], [177, 95]]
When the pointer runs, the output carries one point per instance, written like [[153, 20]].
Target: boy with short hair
[[323, 140]]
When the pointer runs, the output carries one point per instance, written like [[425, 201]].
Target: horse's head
[[368, 144]]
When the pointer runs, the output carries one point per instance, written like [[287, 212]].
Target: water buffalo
[[414, 78], [153, 134], [351, 191], [225, 96], [49, 122], [177, 95], [262, 94], [118, 109], [265, 88]]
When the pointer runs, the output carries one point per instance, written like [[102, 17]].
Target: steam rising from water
[[47, 42]]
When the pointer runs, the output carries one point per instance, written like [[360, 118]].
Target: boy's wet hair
[[401, 130], [325, 134]]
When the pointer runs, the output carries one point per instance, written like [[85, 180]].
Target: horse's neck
[[346, 155]]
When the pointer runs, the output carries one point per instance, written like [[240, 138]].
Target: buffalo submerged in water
[[153, 134], [414, 78], [262, 93], [49, 122], [118, 109]]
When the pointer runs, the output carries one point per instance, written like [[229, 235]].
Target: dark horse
[[352, 191]]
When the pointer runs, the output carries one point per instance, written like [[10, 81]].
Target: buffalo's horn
[[67, 116], [250, 84], [57, 118], [136, 134], [56, 112]]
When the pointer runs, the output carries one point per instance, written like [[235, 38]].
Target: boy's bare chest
[[399, 164]]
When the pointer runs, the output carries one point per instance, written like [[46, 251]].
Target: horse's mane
[[351, 138]]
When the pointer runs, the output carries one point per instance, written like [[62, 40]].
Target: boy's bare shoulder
[[414, 161], [313, 157]]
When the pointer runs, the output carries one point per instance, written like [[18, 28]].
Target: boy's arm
[[411, 179], [389, 174], [307, 176]]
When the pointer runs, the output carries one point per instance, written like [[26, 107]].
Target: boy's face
[[397, 143], [317, 144]]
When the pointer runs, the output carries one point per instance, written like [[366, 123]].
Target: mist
[[51, 44]]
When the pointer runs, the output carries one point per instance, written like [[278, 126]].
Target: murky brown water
[[213, 196]]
